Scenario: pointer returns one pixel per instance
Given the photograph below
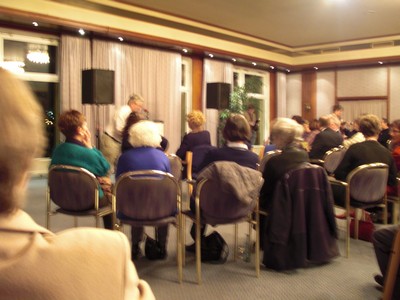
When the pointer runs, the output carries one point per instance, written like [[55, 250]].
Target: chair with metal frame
[[365, 187], [219, 205], [75, 191], [150, 198], [266, 157], [176, 166], [332, 159]]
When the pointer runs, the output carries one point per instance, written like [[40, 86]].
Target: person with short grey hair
[[111, 139], [328, 138], [286, 135]]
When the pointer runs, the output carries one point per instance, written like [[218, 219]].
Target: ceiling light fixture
[[81, 31], [211, 55], [35, 24], [272, 67], [185, 50], [38, 54], [380, 62], [233, 59], [121, 39], [287, 70], [315, 68], [254, 64]]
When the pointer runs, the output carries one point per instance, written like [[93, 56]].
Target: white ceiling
[[292, 23]]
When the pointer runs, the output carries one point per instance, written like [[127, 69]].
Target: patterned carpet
[[341, 279]]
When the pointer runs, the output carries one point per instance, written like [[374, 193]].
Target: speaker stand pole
[[97, 122]]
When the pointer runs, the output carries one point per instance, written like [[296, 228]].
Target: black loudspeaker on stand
[[97, 88], [218, 95]]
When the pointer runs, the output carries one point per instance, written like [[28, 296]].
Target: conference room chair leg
[[179, 248], [257, 250], [235, 249], [198, 253]]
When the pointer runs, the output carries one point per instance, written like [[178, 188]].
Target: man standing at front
[[110, 143]]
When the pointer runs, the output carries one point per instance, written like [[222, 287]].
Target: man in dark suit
[[328, 138]]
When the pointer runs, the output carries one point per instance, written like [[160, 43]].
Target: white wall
[[325, 93], [293, 95], [394, 93], [281, 94]]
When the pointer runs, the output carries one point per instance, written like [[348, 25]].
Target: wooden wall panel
[[308, 95], [197, 82]]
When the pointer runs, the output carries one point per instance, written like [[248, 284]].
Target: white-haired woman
[[286, 134], [145, 138]]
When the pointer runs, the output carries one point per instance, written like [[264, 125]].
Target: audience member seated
[[294, 247], [144, 155], [79, 263], [236, 132], [384, 136], [395, 143], [357, 137], [369, 151], [328, 138], [197, 136], [78, 151], [314, 130], [133, 118], [286, 135], [383, 240]]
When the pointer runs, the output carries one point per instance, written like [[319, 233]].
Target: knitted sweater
[[79, 156]]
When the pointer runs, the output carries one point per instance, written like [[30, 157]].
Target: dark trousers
[[383, 240], [161, 235], [193, 229]]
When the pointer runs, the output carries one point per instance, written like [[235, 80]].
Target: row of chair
[[142, 198]]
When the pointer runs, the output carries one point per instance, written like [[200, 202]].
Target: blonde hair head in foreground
[[22, 138]]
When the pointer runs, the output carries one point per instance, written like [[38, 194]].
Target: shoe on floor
[[136, 253], [379, 279]]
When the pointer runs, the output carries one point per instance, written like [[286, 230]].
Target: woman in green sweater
[[78, 151]]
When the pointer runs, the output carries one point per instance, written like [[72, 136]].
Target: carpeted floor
[[343, 278]]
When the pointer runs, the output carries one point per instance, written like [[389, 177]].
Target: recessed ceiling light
[[233, 59], [315, 68], [121, 39], [271, 67], [254, 64], [287, 70], [380, 62], [35, 24], [185, 50], [81, 31], [211, 55]]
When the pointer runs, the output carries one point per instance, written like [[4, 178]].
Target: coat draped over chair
[[301, 226]]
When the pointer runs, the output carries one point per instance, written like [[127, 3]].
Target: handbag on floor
[[214, 249], [365, 228]]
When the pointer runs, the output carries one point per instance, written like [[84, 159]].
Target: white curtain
[[153, 74], [214, 71], [354, 109]]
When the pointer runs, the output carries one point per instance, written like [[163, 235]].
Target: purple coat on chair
[[301, 228]]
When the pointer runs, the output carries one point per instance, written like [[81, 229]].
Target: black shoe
[[379, 279], [191, 248], [136, 253]]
